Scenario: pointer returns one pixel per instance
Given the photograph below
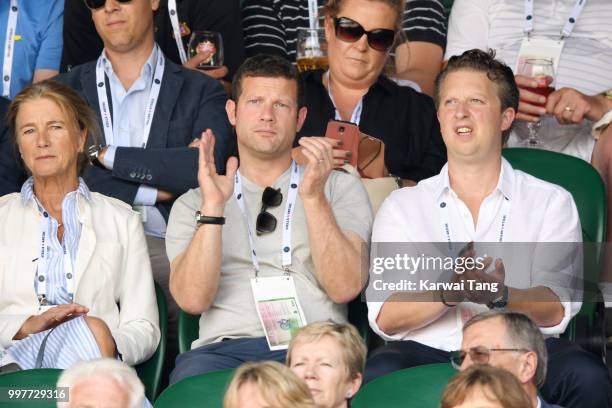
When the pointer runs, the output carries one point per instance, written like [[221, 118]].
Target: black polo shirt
[[404, 119], [82, 43]]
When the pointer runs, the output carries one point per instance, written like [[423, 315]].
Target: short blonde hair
[[116, 370], [278, 385], [496, 383], [69, 101], [353, 348]]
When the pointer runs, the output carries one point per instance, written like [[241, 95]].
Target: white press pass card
[[278, 308], [539, 48]]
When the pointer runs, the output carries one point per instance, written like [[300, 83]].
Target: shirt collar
[[27, 191], [505, 183], [147, 71]]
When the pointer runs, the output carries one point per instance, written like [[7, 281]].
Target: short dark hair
[[267, 66], [498, 72], [523, 333]]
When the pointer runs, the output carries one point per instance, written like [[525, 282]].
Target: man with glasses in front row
[[270, 246], [510, 341]]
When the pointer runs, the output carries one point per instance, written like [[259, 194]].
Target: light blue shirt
[[38, 39], [128, 130], [57, 291]]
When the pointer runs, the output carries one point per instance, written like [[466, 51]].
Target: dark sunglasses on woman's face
[[96, 4], [380, 39], [266, 222]]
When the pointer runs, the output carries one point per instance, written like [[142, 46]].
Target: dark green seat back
[[41, 379], [205, 390], [586, 187], [418, 387], [150, 371]]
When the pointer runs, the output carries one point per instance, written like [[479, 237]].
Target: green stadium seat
[[205, 390], [40, 379], [417, 387], [586, 187]]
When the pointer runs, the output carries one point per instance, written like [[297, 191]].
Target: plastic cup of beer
[[311, 49]]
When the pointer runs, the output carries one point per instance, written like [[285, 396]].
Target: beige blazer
[[112, 273]]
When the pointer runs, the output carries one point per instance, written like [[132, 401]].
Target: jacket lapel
[[90, 92], [87, 242], [172, 83]]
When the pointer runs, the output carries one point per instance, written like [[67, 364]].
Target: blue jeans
[[225, 354]]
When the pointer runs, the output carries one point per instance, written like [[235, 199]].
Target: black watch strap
[[205, 219]]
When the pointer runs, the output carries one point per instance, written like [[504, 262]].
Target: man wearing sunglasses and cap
[[151, 110], [271, 245]]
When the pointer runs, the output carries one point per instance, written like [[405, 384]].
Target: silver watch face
[[93, 151]]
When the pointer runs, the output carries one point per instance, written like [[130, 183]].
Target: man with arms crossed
[[236, 247]]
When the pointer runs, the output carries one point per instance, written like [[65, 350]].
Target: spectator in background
[[330, 358], [513, 342], [354, 90], [12, 174], [32, 51], [83, 44], [484, 387], [271, 27], [151, 110], [220, 237], [266, 384], [104, 383]]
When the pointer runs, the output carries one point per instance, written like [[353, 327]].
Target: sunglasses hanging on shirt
[[96, 4], [266, 222], [380, 39]]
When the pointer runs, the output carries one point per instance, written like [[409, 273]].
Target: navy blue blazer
[[188, 104], [12, 174]]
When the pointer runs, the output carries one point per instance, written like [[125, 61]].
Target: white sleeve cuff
[[146, 195], [373, 312], [601, 125], [570, 309], [109, 157]]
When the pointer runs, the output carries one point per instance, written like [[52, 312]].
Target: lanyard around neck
[[286, 249], [107, 120], [505, 208], [9, 49], [46, 229], [356, 115], [176, 30], [569, 24]]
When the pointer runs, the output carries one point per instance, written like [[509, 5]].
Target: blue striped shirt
[[57, 292]]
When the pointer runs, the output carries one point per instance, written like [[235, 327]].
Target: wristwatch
[[205, 219], [93, 152], [501, 302]]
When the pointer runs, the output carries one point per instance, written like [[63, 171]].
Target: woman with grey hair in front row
[[75, 276], [104, 383]]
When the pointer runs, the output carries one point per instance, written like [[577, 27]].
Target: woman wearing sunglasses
[[360, 34]]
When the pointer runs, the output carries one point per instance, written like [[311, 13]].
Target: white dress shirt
[[537, 211], [128, 131]]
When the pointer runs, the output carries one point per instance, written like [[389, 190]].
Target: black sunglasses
[[266, 222], [380, 39], [96, 4]]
